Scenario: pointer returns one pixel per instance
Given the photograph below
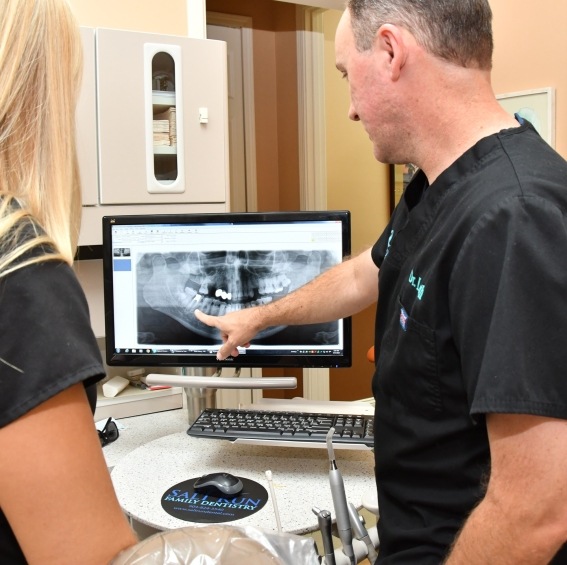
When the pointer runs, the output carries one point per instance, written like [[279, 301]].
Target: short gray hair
[[459, 31]]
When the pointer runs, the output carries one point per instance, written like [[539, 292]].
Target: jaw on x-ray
[[218, 282]]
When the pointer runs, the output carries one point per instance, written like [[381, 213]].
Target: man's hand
[[236, 328], [354, 283]]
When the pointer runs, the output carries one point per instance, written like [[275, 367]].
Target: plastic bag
[[220, 545]]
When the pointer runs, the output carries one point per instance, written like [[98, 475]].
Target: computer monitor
[[159, 268]]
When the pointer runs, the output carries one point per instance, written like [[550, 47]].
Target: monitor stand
[[201, 391], [201, 397]]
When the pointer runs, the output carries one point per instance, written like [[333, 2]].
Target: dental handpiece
[[324, 519], [361, 533], [339, 501]]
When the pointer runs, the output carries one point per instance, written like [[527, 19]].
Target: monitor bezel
[[250, 359]]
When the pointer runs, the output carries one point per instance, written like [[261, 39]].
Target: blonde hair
[[40, 70]]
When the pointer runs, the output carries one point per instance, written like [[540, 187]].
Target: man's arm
[[522, 520], [339, 292]]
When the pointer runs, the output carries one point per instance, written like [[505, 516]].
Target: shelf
[[163, 97], [165, 149], [134, 401], [162, 100]]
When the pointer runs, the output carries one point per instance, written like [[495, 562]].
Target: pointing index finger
[[206, 318]]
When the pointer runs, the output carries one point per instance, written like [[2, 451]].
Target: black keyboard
[[273, 427]]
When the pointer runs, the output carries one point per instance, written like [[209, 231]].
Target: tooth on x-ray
[[218, 282]]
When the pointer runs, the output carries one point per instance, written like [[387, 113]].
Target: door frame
[[312, 147], [245, 25]]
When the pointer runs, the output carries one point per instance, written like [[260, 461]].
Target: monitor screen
[[158, 269]]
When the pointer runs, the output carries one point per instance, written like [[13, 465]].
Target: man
[[470, 386]]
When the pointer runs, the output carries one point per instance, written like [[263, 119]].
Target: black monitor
[[159, 268]]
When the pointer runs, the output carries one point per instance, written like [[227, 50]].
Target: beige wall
[[168, 17], [356, 182], [531, 52]]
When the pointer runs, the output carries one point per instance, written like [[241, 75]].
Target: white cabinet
[[152, 126], [86, 122]]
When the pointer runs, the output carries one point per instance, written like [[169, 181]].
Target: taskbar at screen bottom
[[148, 357]]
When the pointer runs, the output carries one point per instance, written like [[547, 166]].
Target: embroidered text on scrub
[[417, 284]]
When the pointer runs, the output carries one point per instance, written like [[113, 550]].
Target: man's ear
[[390, 40]]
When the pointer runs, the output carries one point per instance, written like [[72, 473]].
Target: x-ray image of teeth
[[217, 282]]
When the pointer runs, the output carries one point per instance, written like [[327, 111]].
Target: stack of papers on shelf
[[161, 139], [172, 126], [166, 122], [161, 126]]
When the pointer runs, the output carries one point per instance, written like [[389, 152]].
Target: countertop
[[138, 430], [167, 429], [149, 473]]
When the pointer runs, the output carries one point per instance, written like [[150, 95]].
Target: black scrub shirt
[[47, 346], [471, 319]]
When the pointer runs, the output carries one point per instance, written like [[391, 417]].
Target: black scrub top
[[47, 346], [471, 319]]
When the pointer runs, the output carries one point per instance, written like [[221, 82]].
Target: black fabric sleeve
[[509, 309], [380, 248], [47, 342]]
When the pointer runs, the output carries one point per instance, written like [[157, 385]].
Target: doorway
[[236, 31]]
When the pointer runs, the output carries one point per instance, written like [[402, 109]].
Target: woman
[[57, 503]]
